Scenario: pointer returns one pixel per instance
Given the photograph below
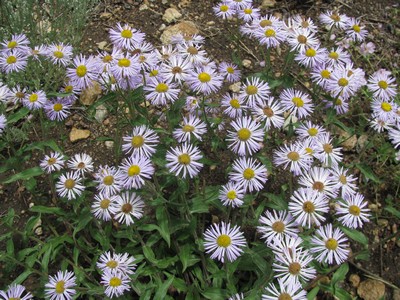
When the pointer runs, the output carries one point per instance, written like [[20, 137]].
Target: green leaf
[[149, 254], [41, 145], [215, 293], [162, 219], [342, 294], [22, 112], [163, 288], [393, 211], [85, 217], [47, 210], [355, 235], [313, 293], [276, 202], [184, 253], [24, 175], [340, 273], [367, 172], [21, 278]]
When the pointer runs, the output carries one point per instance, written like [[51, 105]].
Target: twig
[[371, 275]]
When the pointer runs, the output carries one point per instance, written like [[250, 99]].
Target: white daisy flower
[[69, 185], [104, 206], [61, 286], [231, 194], [52, 162], [320, 180], [191, 126], [254, 91], [116, 283], [183, 160], [246, 138], [329, 245], [284, 291], [249, 173], [116, 263], [223, 242], [81, 163], [353, 211], [129, 206], [294, 155], [135, 170], [109, 180], [308, 207], [14, 292], [292, 265], [276, 225], [143, 141]]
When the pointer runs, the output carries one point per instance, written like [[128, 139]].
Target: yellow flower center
[[137, 141], [126, 33], [153, 73], [231, 195], [81, 70], [302, 39], [235, 103], [107, 58], [334, 55], [278, 226], [33, 98], [19, 95], [354, 210], [265, 23], [161, 88], [343, 82], [224, 8], [342, 179], [356, 28], [124, 63], [69, 89], [112, 264], [192, 50], [108, 180], [204, 77], [176, 70], [11, 60], [319, 186], [293, 156], [309, 150], [247, 11], [331, 244], [328, 148], [310, 52], [294, 268], [251, 90], [244, 134], [58, 54], [386, 106], [105, 203], [230, 70], [69, 183], [305, 24], [126, 208], [312, 131], [383, 84], [308, 207], [284, 296], [335, 17], [12, 44], [57, 107], [270, 33], [248, 174], [325, 74], [188, 128], [338, 102], [51, 161], [60, 287], [115, 282], [298, 101], [184, 159], [224, 240], [268, 112], [133, 170]]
